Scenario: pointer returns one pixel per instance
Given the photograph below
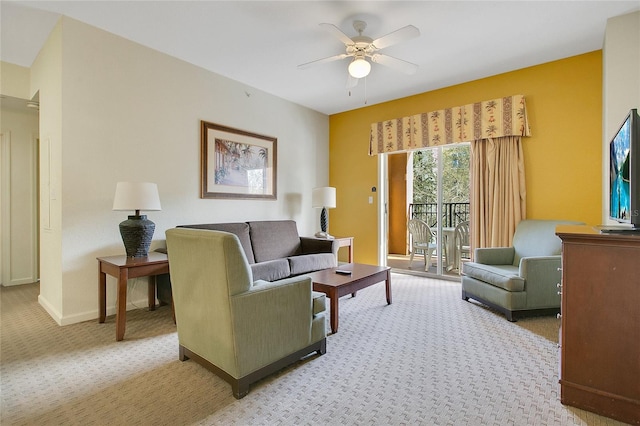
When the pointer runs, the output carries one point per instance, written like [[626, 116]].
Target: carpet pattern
[[429, 358]]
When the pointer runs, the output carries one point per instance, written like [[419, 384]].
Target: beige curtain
[[498, 193]]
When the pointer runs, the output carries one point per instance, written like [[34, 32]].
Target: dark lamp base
[[324, 220], [137, 232]]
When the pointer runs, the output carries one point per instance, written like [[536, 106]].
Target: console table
[[600, 325], [123, 268]]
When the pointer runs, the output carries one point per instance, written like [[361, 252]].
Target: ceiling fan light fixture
[[359, 68]]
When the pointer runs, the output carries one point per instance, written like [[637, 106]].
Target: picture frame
[[237, 164]]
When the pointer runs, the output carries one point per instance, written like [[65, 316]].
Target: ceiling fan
[[362, 47]]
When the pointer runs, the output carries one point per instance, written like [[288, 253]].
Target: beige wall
[[620, 85], [46, 80], [129, 113], [14, 80]]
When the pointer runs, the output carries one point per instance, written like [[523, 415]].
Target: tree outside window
[[455, 174]]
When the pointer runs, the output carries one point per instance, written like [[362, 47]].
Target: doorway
[[431, 185], [19, 226]]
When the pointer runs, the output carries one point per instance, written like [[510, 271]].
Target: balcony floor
[[400, 263]]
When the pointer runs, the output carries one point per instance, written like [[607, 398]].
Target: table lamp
[[137, 230], [325, 198]]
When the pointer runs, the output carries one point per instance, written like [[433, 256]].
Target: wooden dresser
[[600, 326]]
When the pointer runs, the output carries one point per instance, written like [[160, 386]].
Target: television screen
[[620, 190]]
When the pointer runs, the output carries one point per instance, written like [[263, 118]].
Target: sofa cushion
[[503, 276], [271, 270], [277, 239], [241, 229], [311, 262]]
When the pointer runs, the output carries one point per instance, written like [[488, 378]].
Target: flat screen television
[[624, 175]]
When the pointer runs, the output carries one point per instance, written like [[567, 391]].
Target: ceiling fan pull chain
[[365, 90]]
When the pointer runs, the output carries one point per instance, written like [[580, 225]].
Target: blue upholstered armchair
[[242, 330], [522, 279]]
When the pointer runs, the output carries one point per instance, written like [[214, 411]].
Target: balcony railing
[[452, 213]]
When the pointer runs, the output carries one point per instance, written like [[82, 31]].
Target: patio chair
[[422, 239], [462, 246]]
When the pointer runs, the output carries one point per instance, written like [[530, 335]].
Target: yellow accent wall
[[563, 157]]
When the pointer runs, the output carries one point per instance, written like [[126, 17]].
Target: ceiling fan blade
[[404, 33], [395, 63], [322, 61], [337, 32]]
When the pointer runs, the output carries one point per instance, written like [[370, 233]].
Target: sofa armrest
[[271, 320], [285, 285], [310, 245], [494, 255], [541, 278]]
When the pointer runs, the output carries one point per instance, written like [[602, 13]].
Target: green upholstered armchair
[[522, 279], [240, 329]]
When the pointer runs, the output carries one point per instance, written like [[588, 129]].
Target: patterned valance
[[480, 120]]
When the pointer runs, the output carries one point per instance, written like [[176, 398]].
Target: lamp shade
[[359, 68], [324, 197], [136, 196]]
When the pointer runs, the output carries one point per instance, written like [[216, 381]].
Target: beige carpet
[[429, 358]]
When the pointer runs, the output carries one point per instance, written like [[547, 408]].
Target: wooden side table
[[346, 242], [123, 268]]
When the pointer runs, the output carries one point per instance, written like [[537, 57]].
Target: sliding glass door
[[437, 193]]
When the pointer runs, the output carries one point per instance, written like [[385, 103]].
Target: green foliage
[[455, 175], [425, 170]]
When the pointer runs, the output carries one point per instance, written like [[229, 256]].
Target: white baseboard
[[57, 317], [20, 281], [88, 315]]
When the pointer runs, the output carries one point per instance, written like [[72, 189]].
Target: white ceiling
[[260, 43]]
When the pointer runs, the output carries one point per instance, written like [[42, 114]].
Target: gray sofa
[[522, 279], [273, 249]]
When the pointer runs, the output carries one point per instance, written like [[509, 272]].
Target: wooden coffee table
[[335, 285]]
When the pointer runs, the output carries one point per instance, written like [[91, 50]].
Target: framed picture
[[236, 163]]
